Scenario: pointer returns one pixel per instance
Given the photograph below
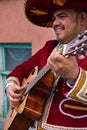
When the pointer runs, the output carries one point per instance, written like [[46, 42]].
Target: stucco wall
[[15, 27]]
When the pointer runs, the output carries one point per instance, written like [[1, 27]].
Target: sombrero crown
[[40, 12]]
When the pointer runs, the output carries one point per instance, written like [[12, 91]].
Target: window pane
[[15, 56]]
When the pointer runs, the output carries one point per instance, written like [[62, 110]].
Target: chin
[[59, 39]]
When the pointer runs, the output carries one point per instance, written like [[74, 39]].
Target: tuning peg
[[76, 48], [74, 53], [85, 49], [84, 36], [77, 40], [82, 49], [83, 44], [85, 31], [78, 35]]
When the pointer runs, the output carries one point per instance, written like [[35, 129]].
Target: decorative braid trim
[[39, 125], [79, 90], [47, 126], [14, 80]]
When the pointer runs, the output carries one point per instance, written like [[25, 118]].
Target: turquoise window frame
[[4, 72]]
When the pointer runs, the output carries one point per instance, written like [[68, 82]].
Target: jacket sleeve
[[23, 70], [79, 90], [38, 59]]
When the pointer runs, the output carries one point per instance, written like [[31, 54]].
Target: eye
[[53, 18], [62, 16]]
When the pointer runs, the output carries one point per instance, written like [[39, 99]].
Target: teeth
[[57, 28]]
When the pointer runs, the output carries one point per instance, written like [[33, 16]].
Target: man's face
[[65, 24]]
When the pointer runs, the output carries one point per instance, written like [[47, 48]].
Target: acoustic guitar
[[39, 86]]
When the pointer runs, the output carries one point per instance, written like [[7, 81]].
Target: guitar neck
[[40, 74]]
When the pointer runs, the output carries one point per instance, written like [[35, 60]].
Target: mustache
[[56, 27]]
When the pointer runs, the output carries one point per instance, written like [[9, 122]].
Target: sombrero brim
[[40, 12]]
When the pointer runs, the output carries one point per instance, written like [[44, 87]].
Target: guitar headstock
[[76, 46]]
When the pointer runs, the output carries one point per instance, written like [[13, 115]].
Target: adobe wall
[[15, 27]]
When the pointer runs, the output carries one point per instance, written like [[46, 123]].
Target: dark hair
[[80, 10]]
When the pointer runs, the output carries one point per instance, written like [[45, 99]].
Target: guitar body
[[32, 106], [19, 123]]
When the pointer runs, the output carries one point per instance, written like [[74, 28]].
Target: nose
[[56, 21]]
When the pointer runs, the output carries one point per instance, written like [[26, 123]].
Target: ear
[[83, 18]]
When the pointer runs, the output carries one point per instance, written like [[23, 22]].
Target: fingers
[[55, 60], [14, 94], [14, 102], [63, 66]]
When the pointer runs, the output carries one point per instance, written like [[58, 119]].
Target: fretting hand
[[64, 67]]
